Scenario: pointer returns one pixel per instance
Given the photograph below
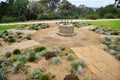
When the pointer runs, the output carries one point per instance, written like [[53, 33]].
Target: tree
[[36, 8], [117, 2]]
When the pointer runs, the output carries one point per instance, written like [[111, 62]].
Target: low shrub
[[17, 52], [57, 49], [39, 49], [14, 58], [56, 60], [45, 77], [118, 56], [92, 16], [23, 59], [28, 37], [49, 55], [71, 77], [8, 54], [3, 75], [17, 67], [75, 65], [32, 57], [70, 57], [35, 74]]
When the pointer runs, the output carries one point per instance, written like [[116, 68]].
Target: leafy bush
[[39, 49], [32, 57], [50, 54], [45, 77], [81, 62], [109, 16], [17, 67], [8, 54], [11, 38], [92, 16], [16, 52], [56, 60], [23, 59], [9, 19], [71, 77], [75, 65], [28, 37], [3, 75], [113, 52], [70, 57], [35, 74], [56, 49], [14, 58], [118, 56]]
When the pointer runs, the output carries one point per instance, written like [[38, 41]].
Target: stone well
[[66, 30]]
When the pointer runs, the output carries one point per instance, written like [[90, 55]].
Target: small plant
[[16, 52], [118, 56], [35, 74], [17, 67], [14, 58], [28, 37], [56, 60], [32, 57], [8, 54], [70, 57], [71, 77], [3, 75], [39, 49], [22, 58], [45, 77], [56, 49], [50, 54], [75, 66], [82, 63]]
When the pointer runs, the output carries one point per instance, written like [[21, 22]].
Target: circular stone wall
[[66, 30]]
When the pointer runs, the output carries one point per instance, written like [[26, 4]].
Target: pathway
[[99, 62], [21, 45]]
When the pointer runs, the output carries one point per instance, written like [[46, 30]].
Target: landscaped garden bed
[[112, 46], [33, 26], [9, 37], [42, 63]]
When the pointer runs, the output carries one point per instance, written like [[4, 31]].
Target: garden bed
[[42, 63]]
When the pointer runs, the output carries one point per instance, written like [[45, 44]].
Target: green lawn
[[115, 24], [6, 27]]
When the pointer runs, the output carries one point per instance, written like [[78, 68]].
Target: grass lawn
[[115, 24], [6, 27]]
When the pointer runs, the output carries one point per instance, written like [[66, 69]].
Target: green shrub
[[109, 16], [56, 49], [75, 65], [118, 56], [23, 58], [71, 77], [81, 63], [11, 38], [14, 58], [16, 52], [45, 77], [35, 74], [56, 60], [92, 16], [8, 54], [70, 57], [32, 57], [3, 63], [39, 49], [3, 75], [9, 19], [28, 37], [50, 54], [17, 67]]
